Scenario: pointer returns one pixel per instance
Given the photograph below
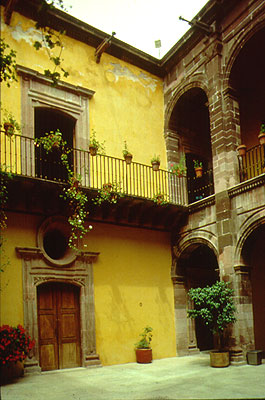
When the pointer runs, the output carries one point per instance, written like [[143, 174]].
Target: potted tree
[[214, 306], [126, 154], [143, 349], [155, 161]]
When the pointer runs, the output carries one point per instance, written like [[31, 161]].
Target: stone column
[[184, 338], [243, 329]]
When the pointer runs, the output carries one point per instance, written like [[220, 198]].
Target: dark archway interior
[[48, 166], [248, 79], [254, 255], [200, 266], [190, 120]]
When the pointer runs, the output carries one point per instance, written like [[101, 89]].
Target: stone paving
[[188, 377]]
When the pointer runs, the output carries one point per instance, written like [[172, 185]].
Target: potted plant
[[155, 161], [110, 192], [95, 147], [51, 141], [198, 168], [214, 306], [143, 349], [126, 154], [10, 124], [179, 169], [15, 345], [241, 149], [262, 134], [159, 199]]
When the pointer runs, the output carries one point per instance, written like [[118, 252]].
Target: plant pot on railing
[[128, 158], [93, 150], [198, 172], [241, 149]]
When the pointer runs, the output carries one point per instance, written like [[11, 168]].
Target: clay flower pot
[[128, 158], [93, 150], [198, 172], [143, 356], [9, 128], [155, 165]]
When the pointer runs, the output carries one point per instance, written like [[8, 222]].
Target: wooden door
[[59, 326]]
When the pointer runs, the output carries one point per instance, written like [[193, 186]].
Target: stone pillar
[[181, 323], [243, 329]]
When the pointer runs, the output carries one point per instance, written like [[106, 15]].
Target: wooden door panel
[[47, 327], [59, 326]]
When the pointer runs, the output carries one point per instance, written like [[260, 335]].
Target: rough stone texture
[[226, 224]]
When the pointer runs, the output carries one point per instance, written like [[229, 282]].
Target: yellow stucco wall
[[127, 105], [132, 286], [132, 280]]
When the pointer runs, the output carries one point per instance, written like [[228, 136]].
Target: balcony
[[252, 163], [138, 183]]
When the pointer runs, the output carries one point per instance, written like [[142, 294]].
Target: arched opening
[[191, 126], [247, 78], [59, 325], [253, 253], [49, 166], [248, 81], [200, 266]]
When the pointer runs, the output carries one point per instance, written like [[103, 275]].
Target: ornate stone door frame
[[37, 270]]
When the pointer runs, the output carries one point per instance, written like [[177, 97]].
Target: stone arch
[[195, 260], [249, 225], [241, 40], [195, 82]]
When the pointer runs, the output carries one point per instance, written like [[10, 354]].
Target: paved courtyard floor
[[188, 377]]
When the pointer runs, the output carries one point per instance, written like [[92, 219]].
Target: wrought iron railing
[[200, 188], [22, 157], [252, 163]]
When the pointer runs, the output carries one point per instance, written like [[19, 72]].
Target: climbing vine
[[73, 193]]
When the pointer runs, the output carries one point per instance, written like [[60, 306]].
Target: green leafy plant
[[7, 63], [146, 338], [125, 151], [197, 164], [110, 192], [5, 176], [78, 202], [51, 42], [178, 169], [262, 128], [95, 144], [160, 199], [72, 193], [155, 159], [10, 124], [214, 306], [52, 140]]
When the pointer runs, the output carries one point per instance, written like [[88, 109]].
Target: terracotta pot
[[93, 150], [143, 356], [219, 359], [128, 158], [198, 172], [242, 149], [107, 187], [9, 128], [262, 138], [155, 165]]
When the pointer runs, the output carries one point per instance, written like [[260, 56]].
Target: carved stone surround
[[37, 270]]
